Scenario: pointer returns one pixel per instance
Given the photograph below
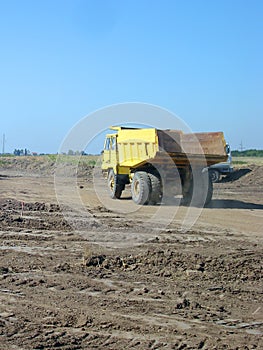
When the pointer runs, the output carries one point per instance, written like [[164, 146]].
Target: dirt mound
[[45, 166], [39, 165], [167, 263], [255, 177], [246, 176], [12, 204], [16, 214]]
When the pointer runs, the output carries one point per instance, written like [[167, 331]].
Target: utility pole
[[3, 149], [241, 146]]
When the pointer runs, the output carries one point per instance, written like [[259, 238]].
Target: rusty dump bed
[[192, 148]]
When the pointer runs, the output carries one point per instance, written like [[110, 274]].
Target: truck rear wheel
[[203, 192], [156, 192], [214, 174], [141, 188], [209, 191], [115, 189]]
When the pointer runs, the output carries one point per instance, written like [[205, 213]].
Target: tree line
[[248, 153], [21, 152]]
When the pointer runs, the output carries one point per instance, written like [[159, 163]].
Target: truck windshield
[[113, 143], [110, 144], [107, 144]]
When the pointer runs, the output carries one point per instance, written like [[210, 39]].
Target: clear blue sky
[[62, 59]]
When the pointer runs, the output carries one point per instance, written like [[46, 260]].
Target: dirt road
[[110, 275]]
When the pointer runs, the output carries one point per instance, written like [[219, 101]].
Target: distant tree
[[71, 152], [17, 152]]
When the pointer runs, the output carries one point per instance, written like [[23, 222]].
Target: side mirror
[[227, 149]]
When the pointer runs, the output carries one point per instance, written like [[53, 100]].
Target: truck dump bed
[[195, 147]]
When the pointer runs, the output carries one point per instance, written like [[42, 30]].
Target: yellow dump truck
[[161, 163]]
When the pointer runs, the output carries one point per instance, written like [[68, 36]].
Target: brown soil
[[121, 282]]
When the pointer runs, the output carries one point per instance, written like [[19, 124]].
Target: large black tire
[[156, 191], [203, 191], [141, 188], [115, 189], [209, 191], [214, 174], [187, 194]]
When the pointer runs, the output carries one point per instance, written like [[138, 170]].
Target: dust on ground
[[63, 288]]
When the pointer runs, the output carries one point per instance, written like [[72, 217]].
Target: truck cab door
[[106, 153], [113, 151], [110, 152]]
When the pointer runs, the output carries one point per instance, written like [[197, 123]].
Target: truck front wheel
[[141, 188], [115, 189]]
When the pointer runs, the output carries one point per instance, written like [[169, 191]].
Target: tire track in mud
[[118, 289]]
